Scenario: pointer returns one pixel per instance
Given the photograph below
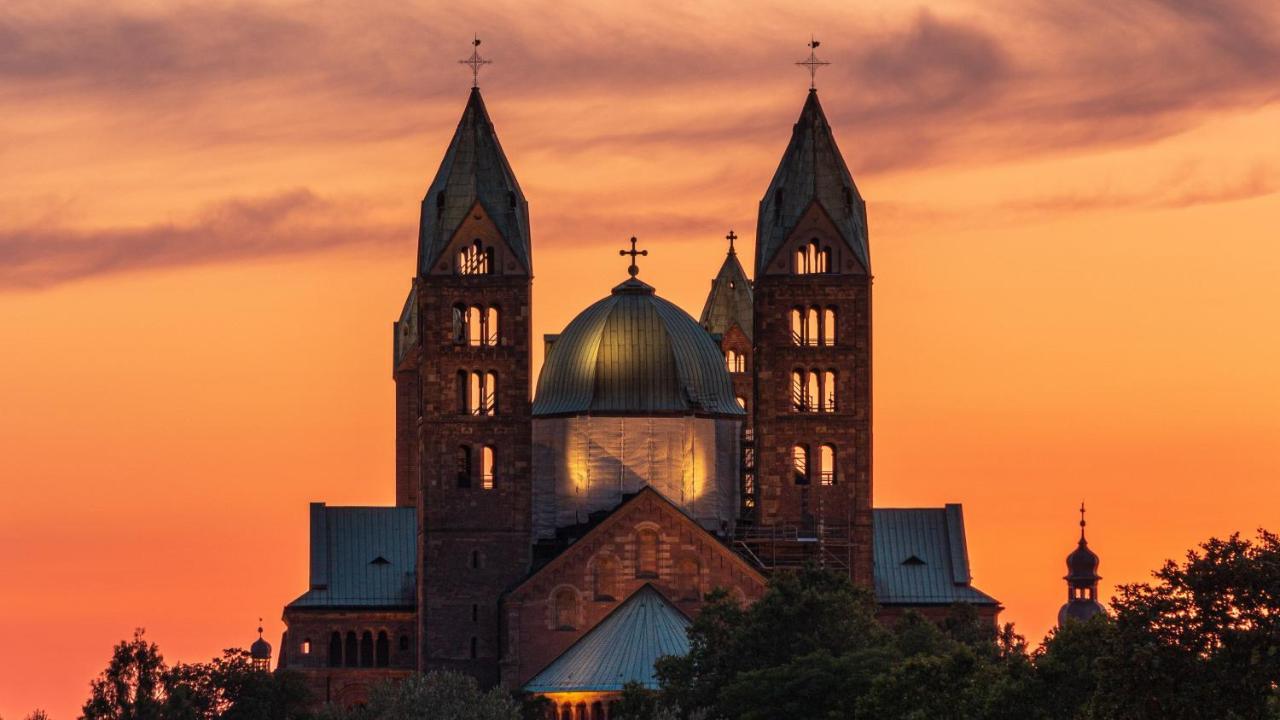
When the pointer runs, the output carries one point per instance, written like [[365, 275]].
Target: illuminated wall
[[588, 463]]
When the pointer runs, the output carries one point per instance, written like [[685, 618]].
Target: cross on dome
[[813, 63], [633, 270], [731, 237], [475, 61]]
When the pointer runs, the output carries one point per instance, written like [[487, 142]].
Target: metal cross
[[475, 61], [731, 237], [633, 270], [1082, 519], [813, 63]]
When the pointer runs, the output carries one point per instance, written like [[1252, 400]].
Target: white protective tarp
[[584, 464]]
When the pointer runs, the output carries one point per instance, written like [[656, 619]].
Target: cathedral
[[558, 544]]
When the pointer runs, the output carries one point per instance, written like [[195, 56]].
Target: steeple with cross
[[731, 237], [634, 269]]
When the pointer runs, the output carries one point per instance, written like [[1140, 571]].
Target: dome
[[1079, 610], [260, 649], [1082, 564], [634, 353]]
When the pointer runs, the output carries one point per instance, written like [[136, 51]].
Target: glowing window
[[486, 467], [827, 464], [829, 327], [475, 259], [800, 464]]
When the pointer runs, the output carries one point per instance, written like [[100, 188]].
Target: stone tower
[[462, 392], [812, 355]]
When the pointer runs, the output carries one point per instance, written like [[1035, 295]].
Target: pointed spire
[[474, 169], [812, 170], [729, 302]]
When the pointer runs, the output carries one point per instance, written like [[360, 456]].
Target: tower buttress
[[812, 351], [471, 378]]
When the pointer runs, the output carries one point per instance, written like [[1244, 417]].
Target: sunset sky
[[207, 226]]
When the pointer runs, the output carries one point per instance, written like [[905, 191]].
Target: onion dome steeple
[[812, 171], [260, 651], [729, 302], [1082, 581], [474, 170]]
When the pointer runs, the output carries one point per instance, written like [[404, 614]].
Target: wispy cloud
[[289, 223]]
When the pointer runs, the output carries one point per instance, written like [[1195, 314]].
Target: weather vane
[[731, 237], [813, 63], [633, 270], [475, 61]]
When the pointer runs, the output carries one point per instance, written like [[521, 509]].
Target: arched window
[[351, 653], [566, 608], [306, 646], [797, 326], [742, 402], [814, 391], [383, 650], [366, 649], [460, 324], [800, 464], [800, 400], [734, 362], [491, 326], [828, 403], [582, 711], [689, 579], [827, 464], [566, 712], [335, 649], [486, 468], [597, 710], [829, 327], [463, 466], [483, 393], [647, 553], [475, 259], [811, 329], [475, 325], [474, 647], [802, 262], [604, 578]]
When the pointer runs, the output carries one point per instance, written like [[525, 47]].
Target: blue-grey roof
[[921, 557], [361, 557], [729, 303], [622, 648], [634, 353], [474, 168], [812, 169]]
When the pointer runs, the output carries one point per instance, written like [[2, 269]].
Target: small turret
[[260, 652], [1082, 581]]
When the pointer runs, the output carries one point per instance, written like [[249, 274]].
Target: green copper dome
[[634, 353]]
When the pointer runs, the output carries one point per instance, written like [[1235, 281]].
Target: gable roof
[[361, 557], [621, 648], [812, 170], [921, 557], [729, 301], [474, 169]]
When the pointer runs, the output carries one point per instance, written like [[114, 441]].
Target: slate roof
[[474, 168], [622, 648], [921, 557], [361, 557], [729, 301], [812, 168], [634, 353]]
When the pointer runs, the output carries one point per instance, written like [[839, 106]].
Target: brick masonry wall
[[343, 684]]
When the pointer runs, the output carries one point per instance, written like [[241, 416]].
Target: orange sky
[[207, 227]]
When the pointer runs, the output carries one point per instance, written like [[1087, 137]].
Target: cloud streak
[[290, 223]]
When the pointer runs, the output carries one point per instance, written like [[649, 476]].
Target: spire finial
[[259, 628], [475, 61], [633, 270], [813, 63], [731, 237], [1081, 521]]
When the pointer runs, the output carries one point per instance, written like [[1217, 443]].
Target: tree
[[37, 714], [1203, 641], [132, 686], [437, 696], [1067, 666]]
